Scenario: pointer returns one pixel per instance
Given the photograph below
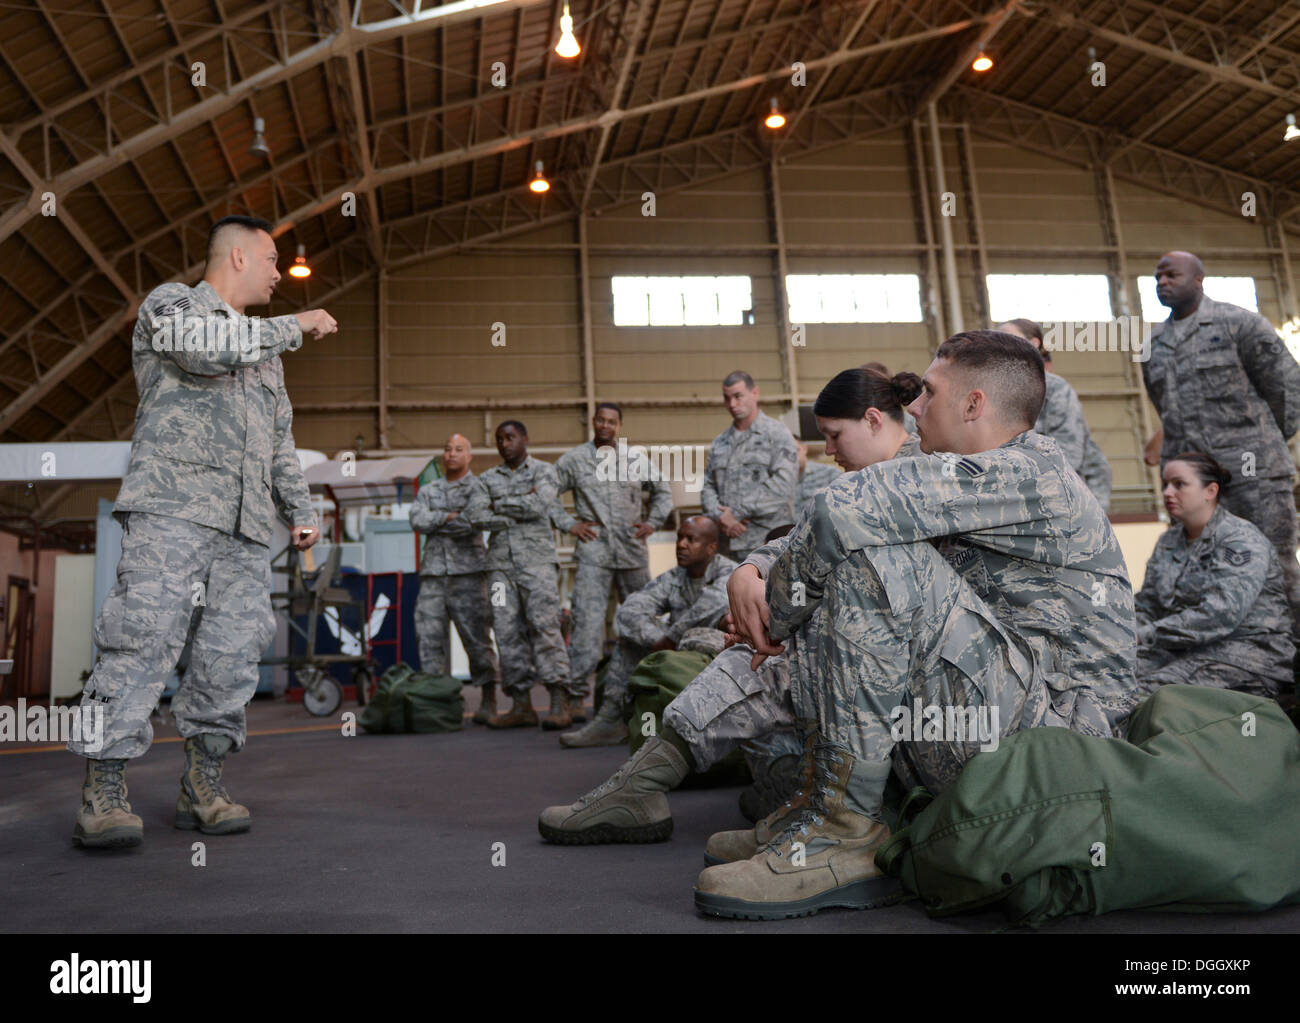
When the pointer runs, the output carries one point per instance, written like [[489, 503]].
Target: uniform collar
[[209, 297]]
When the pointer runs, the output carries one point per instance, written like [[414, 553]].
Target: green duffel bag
[[1197, 811], [384, 712], [653, 684], [432, 703]]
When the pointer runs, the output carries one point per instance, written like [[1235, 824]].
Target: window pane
[[854, 298], [1237, 290], [680, 301], [1049, 297], [631, 302]]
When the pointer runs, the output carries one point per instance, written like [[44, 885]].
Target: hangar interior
[[392, 143]]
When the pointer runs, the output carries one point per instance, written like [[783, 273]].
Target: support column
[[381, 358], [780, 270], [1286, 294], [921, 201], [951, 285], [979, 257], [584, 299]]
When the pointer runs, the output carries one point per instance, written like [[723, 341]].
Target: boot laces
[[209, 772], [109, 779], [814, 812], [612, 782]]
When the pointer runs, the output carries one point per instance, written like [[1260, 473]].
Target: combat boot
[[631, 806], [487, 704], [775, 781], [204, 804], [825, 858], [732, 846], [558, 716], [606, 729], [520, 715], [105, 820], [577, 711]]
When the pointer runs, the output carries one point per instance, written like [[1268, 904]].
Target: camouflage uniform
[[688, 603], [815, 478], [523, 576], [1213, 611], [1025, 606], [1062, 419], [753, 472], [212, 460], [1224, 383], [730, 704], [615, 557], [453, 580]]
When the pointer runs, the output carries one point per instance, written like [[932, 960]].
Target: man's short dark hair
[[1007, 368], [610, 405], [739, 376], [235, 220], [520, 427]]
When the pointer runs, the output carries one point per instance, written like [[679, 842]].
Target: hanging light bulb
[[300, 269], [568, 44], [259, 146], [539, 184], [1292, 132], [775, 119], [982, 63]]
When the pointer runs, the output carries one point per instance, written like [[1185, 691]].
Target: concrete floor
[[396, 833]]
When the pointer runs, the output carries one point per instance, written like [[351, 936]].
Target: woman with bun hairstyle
[[1212, 610]]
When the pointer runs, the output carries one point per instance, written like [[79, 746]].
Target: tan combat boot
[[487, 704], [631, 806], [577, 711], [606, 729], [204, 804], [732, 846], [558, 716], [520, 715], [105, 820], [826, 858]]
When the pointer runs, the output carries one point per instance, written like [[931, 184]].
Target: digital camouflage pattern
[[1096, 472], [815, 478], [1062, 419], [213, 441], [172, 570], [1213, 611], [753, 472], [1025, 604], [452, 545], [688, 604], [1231, 388], [515, 506], [615, 558]]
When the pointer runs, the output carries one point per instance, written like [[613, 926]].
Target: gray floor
[[396, 833]]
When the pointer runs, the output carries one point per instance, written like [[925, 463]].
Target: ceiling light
[[568, 44], [982, 63], [300, 268], [539, 184], [259, 146], [775, 119], [1292, 132]]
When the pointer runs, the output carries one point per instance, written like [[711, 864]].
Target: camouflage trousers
[[589, 602], [526, 619], [171, 570], [729, 705], [462, 599], [899, 640], [622, 662], [1157, 668], [1270, 505]]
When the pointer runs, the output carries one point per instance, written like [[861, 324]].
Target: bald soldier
[[693, 595], [453, 575], [1224, 383], [963, 596], [212, 462], [750, 471]]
